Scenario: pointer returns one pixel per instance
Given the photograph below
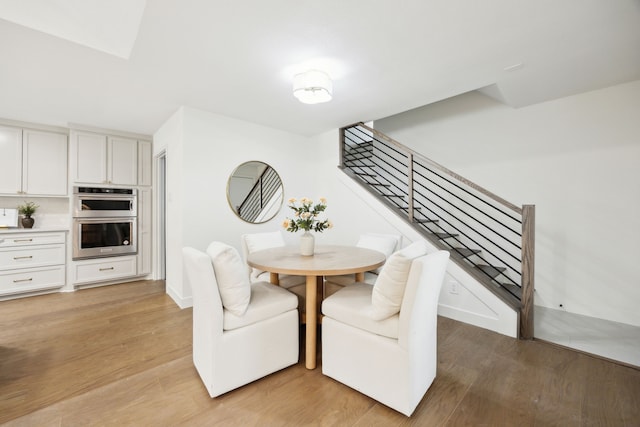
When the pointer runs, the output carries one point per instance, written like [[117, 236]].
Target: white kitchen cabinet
[[122, 164], [31, 262], [102, 159], [44, 163], [33, 162], [145, 155], [89, 155], [145, 250], [10, 160]]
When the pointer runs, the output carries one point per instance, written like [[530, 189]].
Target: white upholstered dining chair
[[252, 242], [381, 339], [385, 243], [242, 331]]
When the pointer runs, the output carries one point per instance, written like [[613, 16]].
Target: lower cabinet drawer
[[33, 256], [104, 269], [30, 239], [32, 279]]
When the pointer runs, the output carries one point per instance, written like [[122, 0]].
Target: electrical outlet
[[453, 287]]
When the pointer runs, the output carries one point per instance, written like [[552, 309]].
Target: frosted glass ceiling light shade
[[312, 87]]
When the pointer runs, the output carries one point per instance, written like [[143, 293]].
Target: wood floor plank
[[121, 355], [611, 394]]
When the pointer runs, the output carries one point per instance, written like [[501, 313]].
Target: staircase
[[490, 238]]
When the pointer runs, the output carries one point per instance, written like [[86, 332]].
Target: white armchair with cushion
[[381, 339], [242, 331], [385, 243]]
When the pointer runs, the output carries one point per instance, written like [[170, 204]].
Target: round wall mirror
[[255, 192]]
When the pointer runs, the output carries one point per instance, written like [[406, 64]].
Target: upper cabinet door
[[10, 160], [44, 163], [123, 161], [145, 154], [102, 159], [90, 158]]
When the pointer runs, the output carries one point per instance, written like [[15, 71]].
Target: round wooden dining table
[[327, 260]]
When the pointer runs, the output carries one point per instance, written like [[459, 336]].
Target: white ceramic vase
[[307, 243]]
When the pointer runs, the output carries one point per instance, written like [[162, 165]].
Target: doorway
[[161, 191]]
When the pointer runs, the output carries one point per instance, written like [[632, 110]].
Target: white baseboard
[[179, 300]]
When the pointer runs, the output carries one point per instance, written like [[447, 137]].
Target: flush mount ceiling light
[[312, 87]]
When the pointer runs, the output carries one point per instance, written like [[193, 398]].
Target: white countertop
[[32, 230]]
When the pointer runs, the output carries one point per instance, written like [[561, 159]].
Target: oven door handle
[[104, 219]]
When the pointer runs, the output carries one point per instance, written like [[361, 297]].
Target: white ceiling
[[110, 27], [237, 58]]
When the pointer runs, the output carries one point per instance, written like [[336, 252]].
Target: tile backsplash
[[52, 211]]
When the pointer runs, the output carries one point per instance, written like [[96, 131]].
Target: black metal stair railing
[[267, 185], [489, 237]]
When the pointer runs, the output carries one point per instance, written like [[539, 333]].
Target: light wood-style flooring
[[121, 355]]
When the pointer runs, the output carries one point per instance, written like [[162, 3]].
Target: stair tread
[[358, 163], [443, 235], [424, 220], [491, 270], [513, 289], [359, 148], [360, 142], [466, 252]]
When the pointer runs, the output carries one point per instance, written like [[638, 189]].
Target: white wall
[[578, 160]]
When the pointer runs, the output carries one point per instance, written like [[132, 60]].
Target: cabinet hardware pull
[[23, 280], [23, 257], [22, 240], [107, 268]]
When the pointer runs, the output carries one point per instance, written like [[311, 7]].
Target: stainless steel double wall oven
[[105, 222]]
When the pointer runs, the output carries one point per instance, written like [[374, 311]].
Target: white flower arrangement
[[306, 216]]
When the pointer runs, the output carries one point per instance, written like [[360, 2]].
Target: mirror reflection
[[255, 192]]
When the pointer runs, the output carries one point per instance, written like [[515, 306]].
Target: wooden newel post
[[528, 270]]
